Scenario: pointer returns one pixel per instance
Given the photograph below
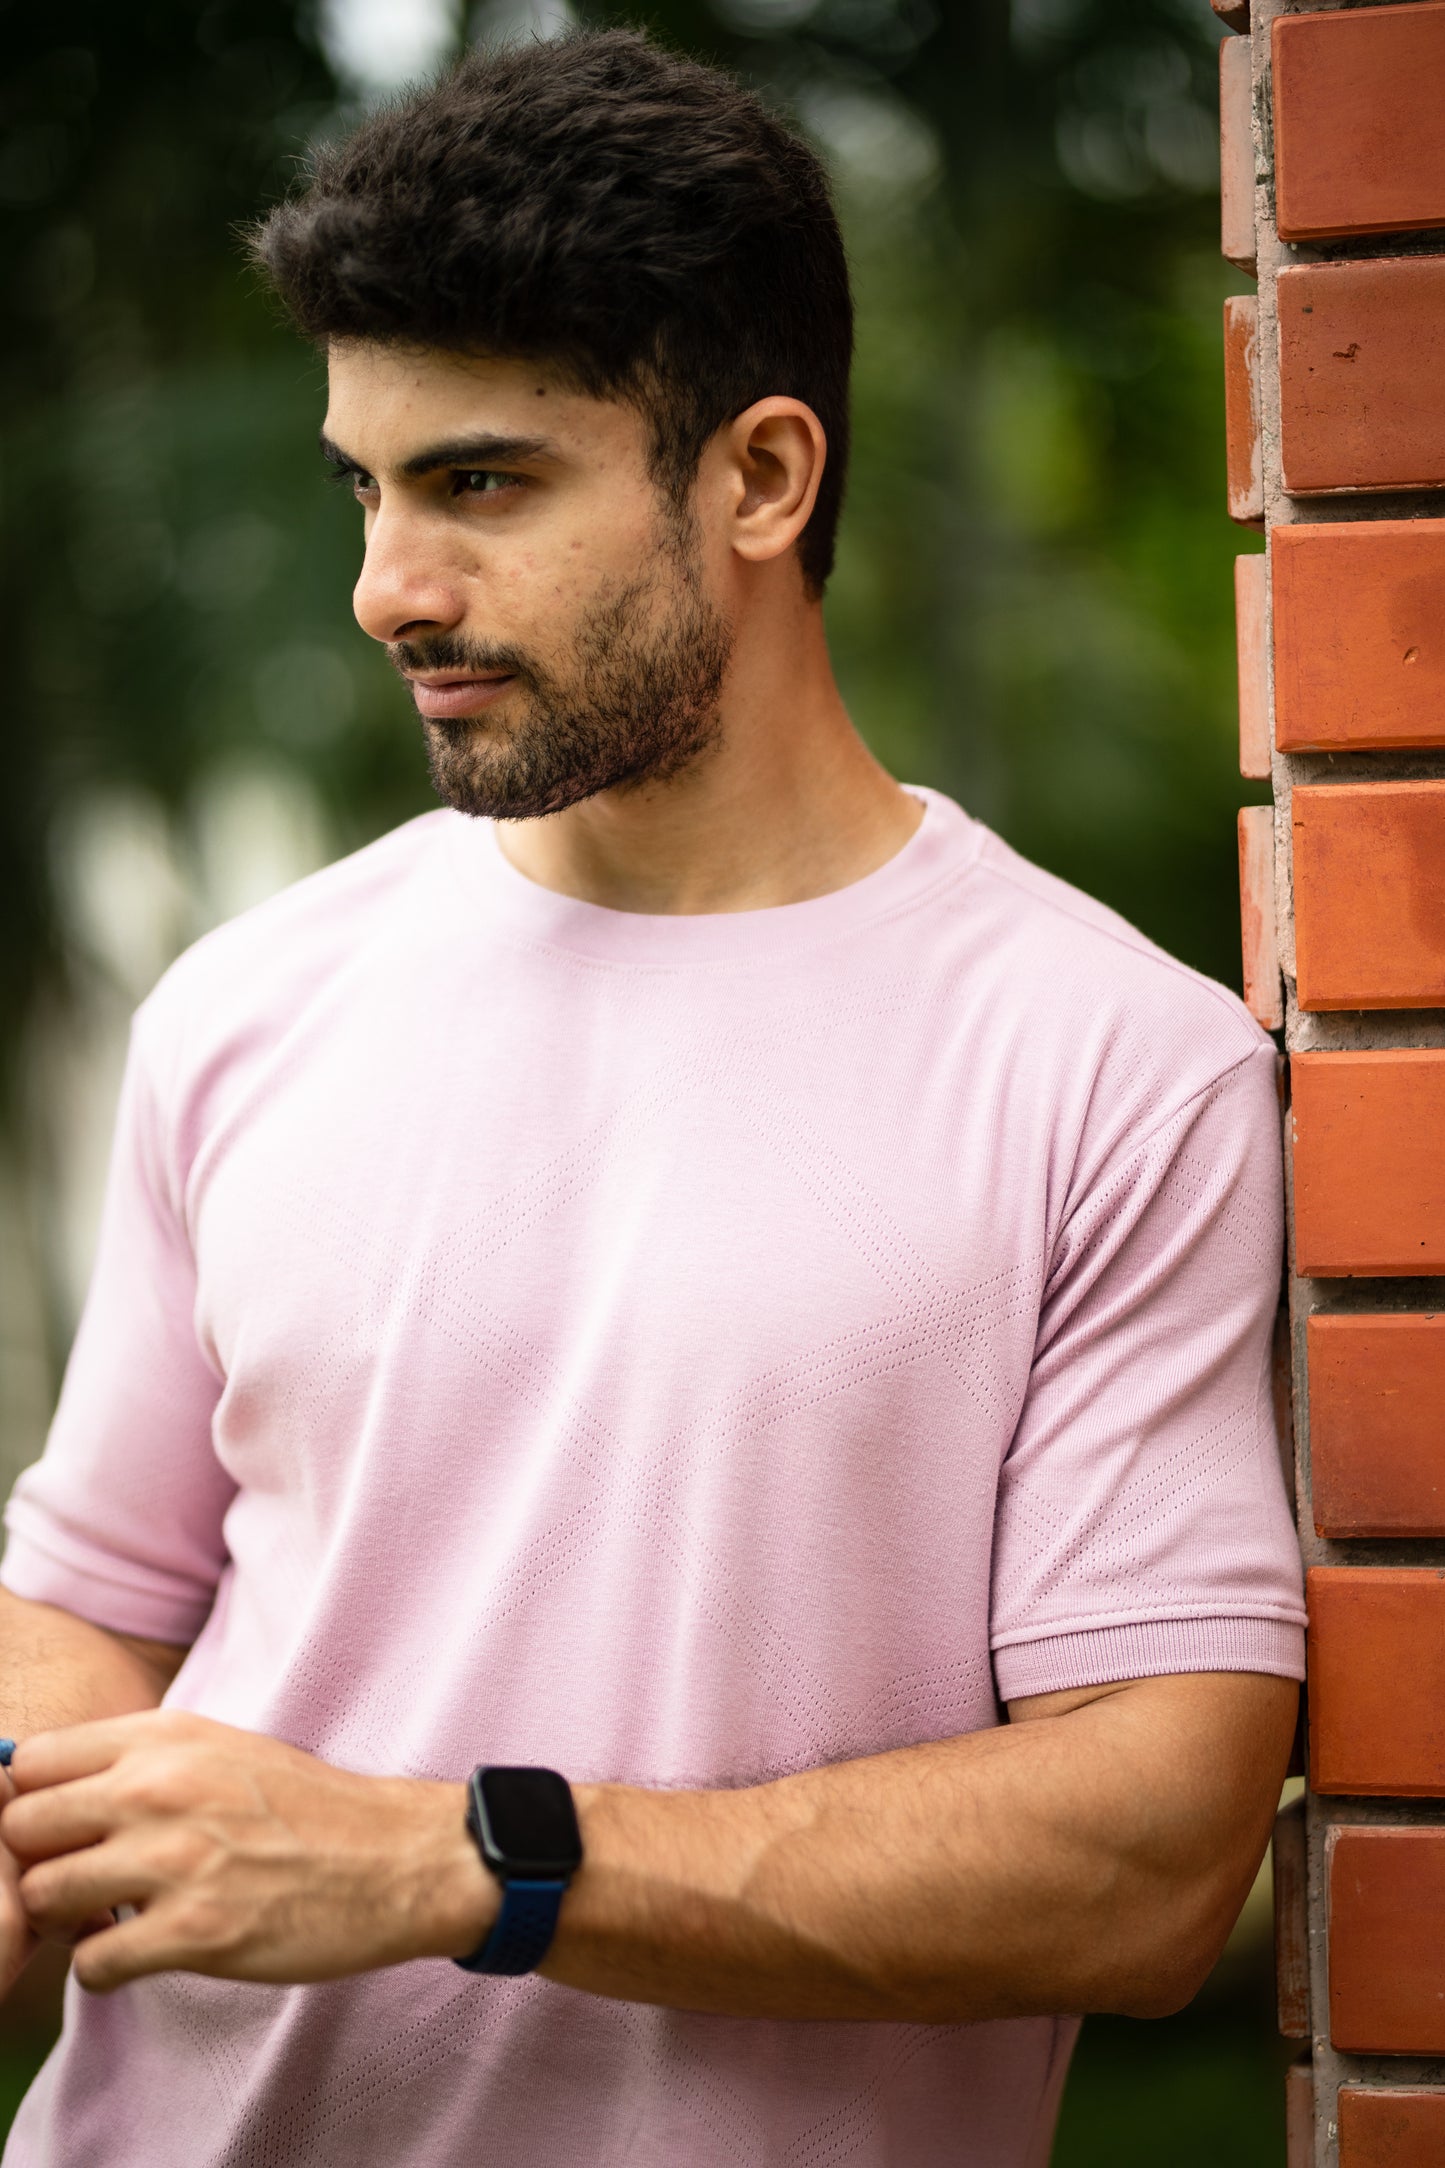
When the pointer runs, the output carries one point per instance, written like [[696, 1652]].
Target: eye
[[482, 482], [361, 485]]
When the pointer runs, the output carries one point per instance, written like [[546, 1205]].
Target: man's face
[[551, 611]]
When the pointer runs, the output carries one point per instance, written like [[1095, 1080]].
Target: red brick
[[1244, 456], [1251, 594], [1387, 1941], [1369, 895], [1358, 141], [1377, 1681], [1369, 1163], [1291, 1925], [1263, 993], [1233, 12], [1236, 154], [1358, 611], [1362, 374], [1299, 2114], [1391, 2126], [1377, 1425]]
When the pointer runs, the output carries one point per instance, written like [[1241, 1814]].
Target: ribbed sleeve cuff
[[89, 1591], [1150, 1649]]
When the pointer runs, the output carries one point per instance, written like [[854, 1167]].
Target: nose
[[404, 587]]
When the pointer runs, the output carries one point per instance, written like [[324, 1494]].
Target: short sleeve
[[1143, 1526], [120, 1521]]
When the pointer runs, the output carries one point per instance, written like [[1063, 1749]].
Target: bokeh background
[[1032, 608]]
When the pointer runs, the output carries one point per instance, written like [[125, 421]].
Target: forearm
[[1091, 1861], [1085, 1857], [56, 1669]]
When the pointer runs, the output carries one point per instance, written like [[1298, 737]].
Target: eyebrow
[[475, 452]]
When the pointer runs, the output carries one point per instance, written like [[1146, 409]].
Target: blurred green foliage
[[20, 2058], [1032, 607], [1191, 2091]]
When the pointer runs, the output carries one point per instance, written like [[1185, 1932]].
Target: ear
[[775, 452]]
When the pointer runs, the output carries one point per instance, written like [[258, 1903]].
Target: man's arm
[[1093, 1854], [56, 1669], [1090, 1855]]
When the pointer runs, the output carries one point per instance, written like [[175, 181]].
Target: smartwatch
[[524, 1824]]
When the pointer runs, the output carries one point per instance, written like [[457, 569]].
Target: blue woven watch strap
[[524, 1929]]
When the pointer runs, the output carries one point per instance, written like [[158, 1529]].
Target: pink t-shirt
[[680, 1351]]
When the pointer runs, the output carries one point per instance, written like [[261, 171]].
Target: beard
[[638, 704]]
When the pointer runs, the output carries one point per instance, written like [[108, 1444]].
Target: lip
[[449, 697]]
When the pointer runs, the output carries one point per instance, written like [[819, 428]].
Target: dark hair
[[638, 221]]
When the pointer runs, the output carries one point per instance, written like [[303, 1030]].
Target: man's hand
[[240, 1857], [58, 1669]]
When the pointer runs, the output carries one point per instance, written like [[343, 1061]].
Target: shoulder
[[1084, 976], [1085, 1030], [250, 979]]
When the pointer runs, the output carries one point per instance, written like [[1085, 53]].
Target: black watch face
[[529, 1825]]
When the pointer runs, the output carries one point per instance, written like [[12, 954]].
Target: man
[[692, 1268]]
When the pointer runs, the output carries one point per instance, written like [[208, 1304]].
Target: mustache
[[465, 658]]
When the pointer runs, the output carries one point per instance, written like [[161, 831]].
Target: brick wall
[[1333, 196]]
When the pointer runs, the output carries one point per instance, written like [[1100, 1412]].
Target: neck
[[787, 804]]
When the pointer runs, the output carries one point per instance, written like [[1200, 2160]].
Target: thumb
[[18, 1941]]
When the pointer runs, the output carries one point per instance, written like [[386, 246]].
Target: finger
[[142, 1943], [126, 1950], [16, 1952], [83, 1750], [40, 1825], [60, 1895], [17, 1937], [65, 1938]]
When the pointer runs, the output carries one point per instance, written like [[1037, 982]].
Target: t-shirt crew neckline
[[941, 847]]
